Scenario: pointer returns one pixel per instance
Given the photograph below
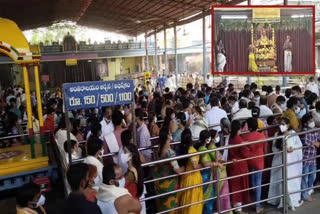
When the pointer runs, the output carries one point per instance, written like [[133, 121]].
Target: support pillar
[[156, 52], [204, 51], [176, 53], [39, 108], [249, 77], [285, 78], [165, 51], [147, 54], [29, 109]]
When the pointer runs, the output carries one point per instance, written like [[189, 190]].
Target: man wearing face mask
[[312, 86], [290, 113], [113, 198], [76, 203], [95, 152], [297, 92], [279, 106], [30, 200]]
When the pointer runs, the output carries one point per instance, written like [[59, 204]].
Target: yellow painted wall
[[127, 63]]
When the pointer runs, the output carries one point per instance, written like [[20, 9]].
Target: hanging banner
[[83, 95], [266, 14]]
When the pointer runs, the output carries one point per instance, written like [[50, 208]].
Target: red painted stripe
[[31, 132], [5, 48]]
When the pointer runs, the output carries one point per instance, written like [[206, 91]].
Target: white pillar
[[175, 52], [165, 51], [147, 54], [204, 52], [156, 52]]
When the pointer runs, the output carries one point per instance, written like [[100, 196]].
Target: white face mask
[[155, 119], [311, 125], [122, 182], [170, 137], [217, 140], [283, 128], [173, 116], [208, 140], [283, 107], [297, 110], [41, 201]]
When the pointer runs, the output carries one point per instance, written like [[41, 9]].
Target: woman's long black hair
[[137, 164], [163, 137], [186, 142], [204, 135], [235, 127]]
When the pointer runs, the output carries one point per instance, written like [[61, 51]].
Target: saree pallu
[[166, 185]]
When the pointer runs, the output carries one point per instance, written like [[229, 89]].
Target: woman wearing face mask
[[294, 154], [195, 194], [134, 176], [181, 122], [95, 153], [170, 120], [291, 113], [152, 125], [223, 185], [310, 142], [199, 124], [238, 168], [166, 169], [30, 200], [207, 161]]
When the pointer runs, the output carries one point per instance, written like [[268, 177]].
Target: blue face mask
[[301, 113], [145, 93]]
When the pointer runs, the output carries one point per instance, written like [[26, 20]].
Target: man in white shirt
[[312, 86], [244, 112], [209, 80], [113, 198], [95, 152], [106, 123], [214, 116], [264, 109]]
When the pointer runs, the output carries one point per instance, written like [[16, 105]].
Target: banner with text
[[83, 95]]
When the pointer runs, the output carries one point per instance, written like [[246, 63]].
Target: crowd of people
[[170, 124]]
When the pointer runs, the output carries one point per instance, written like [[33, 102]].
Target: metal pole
[[249, 77], [147, 54], [156, 52], [29, 108], [175, 52], [39, 107], [217, 187], [165, 50], [204, 51], [284, 78], [284, 174], [134, 126], [67, 121]]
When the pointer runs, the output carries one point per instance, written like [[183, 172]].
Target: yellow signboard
[[266, 13], [71, 62]]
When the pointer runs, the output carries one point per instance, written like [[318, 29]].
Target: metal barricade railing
[[284, 179]]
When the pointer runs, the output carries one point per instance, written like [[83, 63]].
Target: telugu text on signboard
[[83, 95]]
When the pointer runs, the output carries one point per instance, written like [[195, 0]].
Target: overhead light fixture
[[234, 17], [300, 16]]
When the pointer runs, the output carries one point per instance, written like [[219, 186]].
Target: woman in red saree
[[237, 168]]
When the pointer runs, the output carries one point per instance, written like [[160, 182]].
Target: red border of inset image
[[262, 73]]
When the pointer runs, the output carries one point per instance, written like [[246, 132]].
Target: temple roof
[[129, 17]]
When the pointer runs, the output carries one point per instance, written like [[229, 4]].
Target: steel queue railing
[[284, 166]]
